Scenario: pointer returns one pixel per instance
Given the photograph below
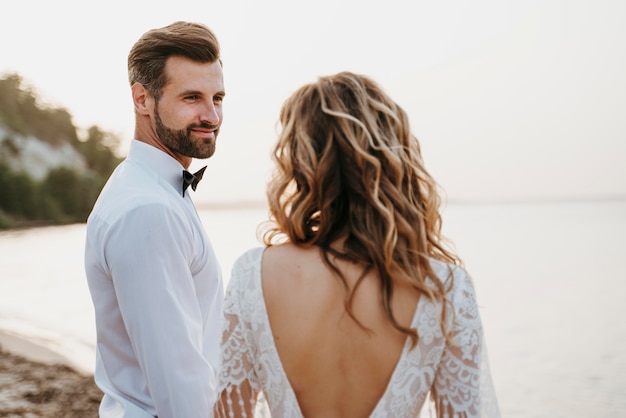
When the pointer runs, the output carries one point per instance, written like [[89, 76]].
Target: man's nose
[[210, 114]]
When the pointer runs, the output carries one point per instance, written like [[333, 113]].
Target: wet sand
[[37, 382]]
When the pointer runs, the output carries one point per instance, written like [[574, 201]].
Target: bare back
[[335, 367]]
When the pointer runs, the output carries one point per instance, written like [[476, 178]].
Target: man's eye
[[218, 99], [193, 97]]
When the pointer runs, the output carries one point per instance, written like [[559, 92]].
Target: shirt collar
[[157, 162]]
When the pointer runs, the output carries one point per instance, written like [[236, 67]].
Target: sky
[[511, 100]]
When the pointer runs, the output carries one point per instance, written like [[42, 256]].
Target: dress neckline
[[266, 322]]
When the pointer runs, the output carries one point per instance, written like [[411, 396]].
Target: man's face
[[188, 114]]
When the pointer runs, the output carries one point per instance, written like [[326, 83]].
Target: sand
[[37, 382]]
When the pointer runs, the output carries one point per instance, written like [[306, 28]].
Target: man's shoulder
[[119, 200]]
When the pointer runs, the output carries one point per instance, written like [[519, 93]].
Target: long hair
[[147, 58], [348, 167]]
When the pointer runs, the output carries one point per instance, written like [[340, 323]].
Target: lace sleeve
[[238, 388], [238, 384], [463, 387]]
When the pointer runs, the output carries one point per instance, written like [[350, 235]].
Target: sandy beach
[[37, 382]]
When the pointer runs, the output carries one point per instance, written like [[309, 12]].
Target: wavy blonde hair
[[348, 167]]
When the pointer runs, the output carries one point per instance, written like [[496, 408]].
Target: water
[[550, 279]]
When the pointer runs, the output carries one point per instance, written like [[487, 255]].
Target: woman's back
[[307, 334], [336, 367], [288, 351]]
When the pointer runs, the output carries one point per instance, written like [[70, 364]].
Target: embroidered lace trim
[[455, 379]]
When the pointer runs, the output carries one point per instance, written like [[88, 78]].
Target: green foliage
[[74, 193], [9, 146], [4, 221], [21, 113], [19, 194], [97, 150], [65, 195]]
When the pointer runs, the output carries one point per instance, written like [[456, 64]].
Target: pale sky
[[510, 99]]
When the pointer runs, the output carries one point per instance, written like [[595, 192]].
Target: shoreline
[[36, 381], [22, 346]]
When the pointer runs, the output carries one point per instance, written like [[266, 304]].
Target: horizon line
[[261, 204]]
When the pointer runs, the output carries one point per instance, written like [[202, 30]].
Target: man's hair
[[147, 58]]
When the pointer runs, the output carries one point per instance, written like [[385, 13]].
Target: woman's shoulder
[[248, 258], [245, 268], [461, 294], [290, 265], [453, 276], [286, 258]]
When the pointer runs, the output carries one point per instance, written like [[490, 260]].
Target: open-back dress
[[253, 376]]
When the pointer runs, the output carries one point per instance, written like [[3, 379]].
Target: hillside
[[49, 173], [37, 158]]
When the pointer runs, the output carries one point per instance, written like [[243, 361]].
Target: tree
[[65, 195], [98, 151]]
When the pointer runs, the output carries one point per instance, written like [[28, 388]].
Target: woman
[[354, 307]]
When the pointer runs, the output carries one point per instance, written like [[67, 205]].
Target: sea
[[550, 279]]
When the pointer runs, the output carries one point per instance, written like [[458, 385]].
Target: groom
[[154, 279]]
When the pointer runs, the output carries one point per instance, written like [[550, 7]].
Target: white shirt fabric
[[157, 291], [253, 377]]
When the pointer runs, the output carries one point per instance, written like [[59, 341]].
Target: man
[[153, 276]]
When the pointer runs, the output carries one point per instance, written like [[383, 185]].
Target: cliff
[[48, 172], [37, 158]]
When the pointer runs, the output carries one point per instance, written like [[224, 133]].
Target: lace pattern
[[455, 378]]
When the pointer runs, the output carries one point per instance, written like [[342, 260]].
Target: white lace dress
[[253, 376]]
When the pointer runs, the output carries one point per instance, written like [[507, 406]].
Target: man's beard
[[179, 141]]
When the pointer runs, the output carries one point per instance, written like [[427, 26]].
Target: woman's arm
[[463, 387], [238, 386]]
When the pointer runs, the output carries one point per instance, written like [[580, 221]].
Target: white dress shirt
[[157, 291]]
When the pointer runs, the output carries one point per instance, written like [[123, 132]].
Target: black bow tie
[[192, 179]]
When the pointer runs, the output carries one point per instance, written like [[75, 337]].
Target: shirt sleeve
[[463, 386], [149, 253]]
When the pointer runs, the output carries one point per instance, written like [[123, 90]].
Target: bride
[[354, 307]]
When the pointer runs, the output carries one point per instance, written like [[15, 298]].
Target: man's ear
[[142, 99]]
